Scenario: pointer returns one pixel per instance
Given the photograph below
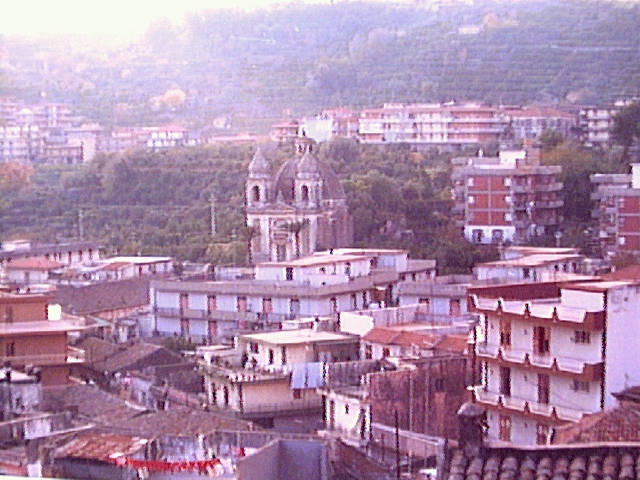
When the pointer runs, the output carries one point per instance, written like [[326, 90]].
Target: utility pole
[[80, 224], [397, 448], [212, 207]]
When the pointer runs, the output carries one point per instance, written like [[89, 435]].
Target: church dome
[[259, 164], [308, 164], [285, 179]]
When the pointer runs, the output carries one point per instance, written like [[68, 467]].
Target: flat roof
[[314, 260], [301, 336], [40, 326], [536, 260], [600, 287]]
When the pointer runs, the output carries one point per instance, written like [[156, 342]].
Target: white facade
[[313, 286], [550, 361]]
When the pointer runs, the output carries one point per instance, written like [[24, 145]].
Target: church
[[298, 210]]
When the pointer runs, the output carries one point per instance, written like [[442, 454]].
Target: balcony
[[281, 409], [548, 204], [235, 375], [221, 315], [519, 406], [72, 355], [548, 187], [562, 366]]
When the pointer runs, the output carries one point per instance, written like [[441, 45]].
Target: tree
[[626, 128]]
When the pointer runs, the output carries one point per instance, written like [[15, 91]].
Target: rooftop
[[299, 336], [317, 260]]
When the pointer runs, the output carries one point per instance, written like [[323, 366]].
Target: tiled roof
[[100, 446], [38, 264], [103, 357], [104, 296], [402, 338], [180, 420], [621, 424], [628, 273], [88, 402], [595, 461]]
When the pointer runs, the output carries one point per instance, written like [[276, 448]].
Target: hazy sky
[[129, 17]]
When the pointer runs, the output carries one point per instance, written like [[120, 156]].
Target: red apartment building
[[508, 198], [29, 338], [617, 209]]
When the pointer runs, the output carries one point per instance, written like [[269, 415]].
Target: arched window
[[255, 193], [305, 193]]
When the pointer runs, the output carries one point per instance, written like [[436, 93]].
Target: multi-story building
[[437, 124], [530, 122], [30, 338], [506, 198], [617, 209], [275, 373], [532, 264], [285, 132], [551, 353], [21, 144], [300, 209], [595, 124], [323, 284]]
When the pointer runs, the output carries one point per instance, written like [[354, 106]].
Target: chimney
[[472, 421]]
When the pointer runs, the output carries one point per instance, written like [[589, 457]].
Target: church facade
[[297, 210]]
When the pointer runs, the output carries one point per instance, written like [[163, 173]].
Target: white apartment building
[[551, 353], [431, 124], [323, 284]]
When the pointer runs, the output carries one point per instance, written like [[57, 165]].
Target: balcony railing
[[281, 408], [225, 315], [71, 356], [520, 405], [591, 370]]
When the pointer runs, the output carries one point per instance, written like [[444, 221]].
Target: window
[[347, 269], [212, 303], [184, 327], [254, 347], [297, 393], [10, 349], [386, 352], [184, 302], [470, 182], [267, 305], [305, 193], [580, 386], [368, 352], [543, 388], [504, 428], [255, 191], [505, 333], [454, 307], [471, 200], [241, 304], [270, 356], [289, 274], [541, 340], [505, 381], [334, 304], [283, 355], [542, 434], [354, 301], [581, 336], [294, 306], [346, 409], [507, 182]]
